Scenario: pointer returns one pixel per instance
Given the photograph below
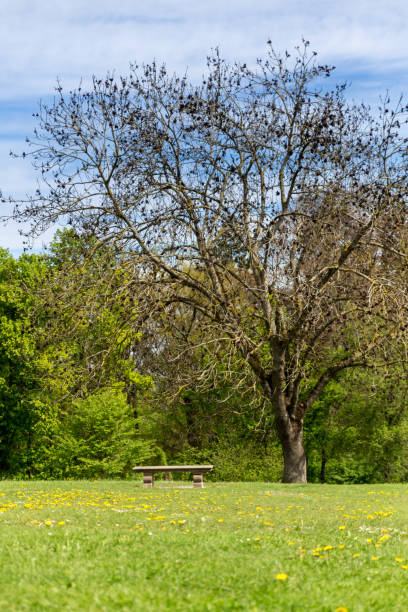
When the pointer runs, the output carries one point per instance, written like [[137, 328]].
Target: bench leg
[[198, 480], [148, 479]]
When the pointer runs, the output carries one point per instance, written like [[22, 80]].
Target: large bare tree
[[258, 206]]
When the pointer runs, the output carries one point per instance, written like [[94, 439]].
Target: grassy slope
[[116, 546]]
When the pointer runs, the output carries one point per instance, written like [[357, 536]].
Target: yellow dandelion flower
[[342, 527], [398, 559], [341, 609], [356, 555], [281, 576], [374, 558], [220, 520]]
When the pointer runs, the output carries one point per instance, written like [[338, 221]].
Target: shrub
[[237, 460], [97, 438]]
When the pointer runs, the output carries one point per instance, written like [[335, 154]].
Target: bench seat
[[150, 470]]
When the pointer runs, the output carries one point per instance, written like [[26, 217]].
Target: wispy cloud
[[40, 41], [43, 40]]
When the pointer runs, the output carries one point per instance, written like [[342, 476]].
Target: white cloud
[[45, 39], [42, 40]]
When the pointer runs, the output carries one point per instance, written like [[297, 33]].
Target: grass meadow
[[112, 545]]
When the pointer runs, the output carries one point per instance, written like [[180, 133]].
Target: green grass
[[115, 546]]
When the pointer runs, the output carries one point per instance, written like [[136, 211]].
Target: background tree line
[[84, 394]]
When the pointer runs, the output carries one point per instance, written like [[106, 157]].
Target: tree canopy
[[259, 206]]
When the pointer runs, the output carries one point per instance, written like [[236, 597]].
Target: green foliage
[[96, 438], [358, 428], [236, 460], [18, 364], [73, 402], [64, 336], [91, 331]]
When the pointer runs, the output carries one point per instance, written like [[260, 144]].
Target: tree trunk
[[288, 420], [323, 466], [294, 458]]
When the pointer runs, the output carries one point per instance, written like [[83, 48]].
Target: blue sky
[[42, 40]]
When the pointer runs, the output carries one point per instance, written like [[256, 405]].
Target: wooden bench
[[150, 470]]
